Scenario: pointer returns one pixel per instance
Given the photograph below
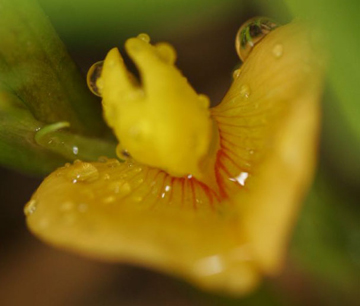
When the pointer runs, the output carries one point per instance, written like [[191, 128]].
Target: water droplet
[[75, 150], [166, 52], [278, 50], [109, 199], [204, 100], [92, 77], [167, 188], [82, 172], [144, 37], [120, 187], [105, 177], [103, 159], [245, 91], [236, 73], [30, 207], [137, 169], [66, 206], [241, 178], [137, 199], [251, 33], [140, 180], [113, 163]]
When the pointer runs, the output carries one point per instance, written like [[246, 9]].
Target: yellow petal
[[221, 239]]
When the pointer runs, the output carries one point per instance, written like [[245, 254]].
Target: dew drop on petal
[[251, 33], [109, 199], [113, 163], [82, 172], [105, 177], [30, 207], [92, 76], [204, 100], [103, 159], [278, 50], [144, 37], [137, 199], [166, 52], [66, 206], [245, 91], [236, 73]]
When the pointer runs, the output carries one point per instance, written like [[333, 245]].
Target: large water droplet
[[92, 76], [251, 33], [82, 172], [30, 207]]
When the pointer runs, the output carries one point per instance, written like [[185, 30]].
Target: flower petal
[[219, 239]]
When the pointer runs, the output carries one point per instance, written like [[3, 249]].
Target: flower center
[[163, 122]]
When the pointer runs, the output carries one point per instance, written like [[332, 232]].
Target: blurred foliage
[[338, 21], [86, 22], [39, 84], [326, 243]]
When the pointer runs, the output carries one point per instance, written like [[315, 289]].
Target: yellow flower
[[209, 195]]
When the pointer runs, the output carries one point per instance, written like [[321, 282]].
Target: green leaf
[[326, 241], [339, 22], [35, 66], [40, 86]]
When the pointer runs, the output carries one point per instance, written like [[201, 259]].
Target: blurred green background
[[323, 266]]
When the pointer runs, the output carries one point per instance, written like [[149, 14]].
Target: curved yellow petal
[[221, 238]]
